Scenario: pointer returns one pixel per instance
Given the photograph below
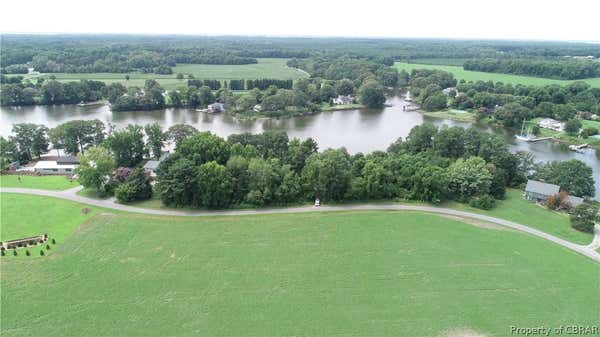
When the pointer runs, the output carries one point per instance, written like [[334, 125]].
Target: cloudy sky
[[504, 19]]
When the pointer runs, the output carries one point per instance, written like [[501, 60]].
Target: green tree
[[177, 181], [327, 175], [155, 139], [127, 145], [136, 187], [76, 135], [583, 217], [178, 132], [327, 92], [573, 176], [214, 184], [30, 140], [435, 102], [344, 87], [95, 168], [469, 177], [572, 127], [204, 147], [372, 94]]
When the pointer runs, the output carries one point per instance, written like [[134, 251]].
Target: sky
[[574, 20]]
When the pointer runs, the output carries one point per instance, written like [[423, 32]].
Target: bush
[[42, 252], [125, 193], [15, 252], [583, 218], [47, 247], [485, 202], [27, 253], [136, 187], [53, 241], [3, 253], [559, 201]]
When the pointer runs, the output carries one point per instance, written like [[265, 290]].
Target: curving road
[[71, 194]]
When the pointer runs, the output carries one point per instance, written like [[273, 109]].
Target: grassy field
[[29, 215], [452, 115], [460, 73], [265, 68], [314, 274], [39, 182]]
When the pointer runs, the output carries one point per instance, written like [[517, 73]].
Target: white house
[[341, 99], [552, 124], [216, 107], [52, 167]]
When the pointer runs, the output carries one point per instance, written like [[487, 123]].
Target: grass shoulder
[[56, 183]]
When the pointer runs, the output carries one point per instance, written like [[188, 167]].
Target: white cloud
[[506, 19]]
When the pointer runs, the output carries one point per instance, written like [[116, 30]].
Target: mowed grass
[[314, 274], [28, 215], [38, 182], [460, 74], [265, 68], [515, 208]]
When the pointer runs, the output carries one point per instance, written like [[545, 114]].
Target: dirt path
[[71, 194]]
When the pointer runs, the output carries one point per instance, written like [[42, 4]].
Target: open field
[[338, 273], [27, 215], [460, 73], [39, 182], [265, 68]]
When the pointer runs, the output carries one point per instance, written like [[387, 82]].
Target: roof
[[575, 201], [541, 188], [51, 164], [151, 165], [67, 160]]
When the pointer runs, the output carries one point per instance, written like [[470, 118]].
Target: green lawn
[[265, 68], [452, 115], [564, 137], [38, 182], [515, 208], [28, 215], [315, 274], [460, 73]]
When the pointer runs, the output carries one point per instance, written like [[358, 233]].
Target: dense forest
[[564, 69]]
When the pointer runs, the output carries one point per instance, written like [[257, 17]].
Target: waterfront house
[[67, 160], [52, 167], [342, 99], [552, 124], [152, 165], [216, 107], [540, 191]]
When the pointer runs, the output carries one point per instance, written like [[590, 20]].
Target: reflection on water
[[360, 130]]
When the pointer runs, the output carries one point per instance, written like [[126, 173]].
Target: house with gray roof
[[540, 191]]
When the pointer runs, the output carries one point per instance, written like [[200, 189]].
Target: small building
[[67, 160], [552, 124], [257, 108], [574, 201], [151, 166], [52, 167], [25, 242], [540, 191], [216, 107], [447, 91], [343, 99]]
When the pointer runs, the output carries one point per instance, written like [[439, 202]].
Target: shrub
[[15, 252], [559, 201], [3, 253], [136, 187], [53, 241], [42, 252], [485, 202], [583, 217], [47, 247], [27, 253]]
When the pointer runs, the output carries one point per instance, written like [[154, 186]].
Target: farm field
[[339, 273], [265, 68], [460, 73], [39, 182]]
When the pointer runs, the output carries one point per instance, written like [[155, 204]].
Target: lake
[[359, 130]]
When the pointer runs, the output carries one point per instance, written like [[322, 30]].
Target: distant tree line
[[564, 69]]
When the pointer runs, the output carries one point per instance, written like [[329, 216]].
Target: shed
[[52, 167]]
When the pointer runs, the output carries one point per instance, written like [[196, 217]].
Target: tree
[[299, 151], [469, 177], [214, 185], [155, 139], [76, 135], [344, 87], [327, 175], [127, 145], [95, 168], [512, 114], [30, 140], [435, 102], [8, 152], [430, 183], [372, 94], [558, 201], [177, 181], [261, 182], [573, 176], [583, 217], [204, 147], [327, 92], [136, 187], [572, 127], [178, 132]]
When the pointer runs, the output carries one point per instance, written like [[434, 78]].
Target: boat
[[578, 148], [523, 136]]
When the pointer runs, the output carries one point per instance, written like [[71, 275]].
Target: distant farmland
[[467, 75], [265, 68]]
